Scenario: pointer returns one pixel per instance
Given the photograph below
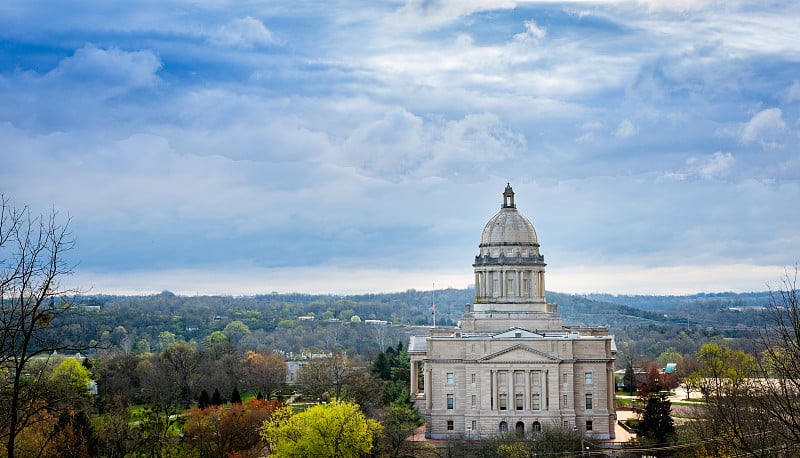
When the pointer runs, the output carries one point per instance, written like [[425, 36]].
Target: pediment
[[519, 352]]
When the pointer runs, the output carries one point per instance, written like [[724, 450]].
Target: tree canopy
[[336, 429]]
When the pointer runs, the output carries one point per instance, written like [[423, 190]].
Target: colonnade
[[485, 283]]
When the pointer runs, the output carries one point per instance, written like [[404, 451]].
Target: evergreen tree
[[205, 400], [381, 366], [216, 398], [657, 423], [236, 398]]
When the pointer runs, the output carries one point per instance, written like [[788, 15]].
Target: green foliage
[[236, 398], [74, 375], [656, 423], [335, 429]]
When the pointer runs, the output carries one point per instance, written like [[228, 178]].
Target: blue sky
[[245, 147]]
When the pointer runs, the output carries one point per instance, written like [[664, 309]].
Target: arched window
[[503, 427], [520, 428], [536, 426]]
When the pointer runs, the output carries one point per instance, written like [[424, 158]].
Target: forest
[[270, 323]]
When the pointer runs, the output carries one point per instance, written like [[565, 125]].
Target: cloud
[[712, 167], [246, 32], [403, 144], [425, 13], [793, 93], [715, 166], [532, 32], [625, 129], [111, 68], [763, 127]]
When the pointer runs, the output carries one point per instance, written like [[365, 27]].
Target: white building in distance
[[511, 364]]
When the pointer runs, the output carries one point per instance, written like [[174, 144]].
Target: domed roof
[[509, 226]]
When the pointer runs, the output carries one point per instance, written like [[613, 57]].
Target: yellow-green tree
[[337, 429], [73, 375]]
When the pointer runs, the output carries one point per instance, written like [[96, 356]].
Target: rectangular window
[[472, 348], [503, 401], [450, 402], [519, 401], [588, 425], [474, 401], [588, 401], [450, 378], [472, 378], [474, 424], [449, 425], [587, 378], [535, 402], [566, 424], [565, 405], [509, 287], [519, 378]]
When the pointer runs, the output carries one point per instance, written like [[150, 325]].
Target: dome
[[508, 226]]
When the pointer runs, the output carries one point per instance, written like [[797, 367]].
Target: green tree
[[72, 374], [656, 423], [336, 429], [235, 331], [401, 421]]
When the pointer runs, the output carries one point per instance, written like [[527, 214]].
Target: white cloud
[[711, 167], [715, 166], [763, 126], [405, 144], [625, 129], [671, 280], [423, 13], [532, 32], [108, 67], [793, 93], [244, 32]]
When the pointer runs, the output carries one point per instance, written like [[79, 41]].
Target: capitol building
[[511, 364]]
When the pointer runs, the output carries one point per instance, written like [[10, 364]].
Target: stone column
[[414, 369], [427, 387], [511, 393], [526, 396], [492, 389], [546, 387]]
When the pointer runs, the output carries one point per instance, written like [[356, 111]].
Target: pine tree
[[657, 424], [204, 401], [236, 398], [216, 398]]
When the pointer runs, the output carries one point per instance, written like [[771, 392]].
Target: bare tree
[[32, 263], [780, 361], [753, 404]]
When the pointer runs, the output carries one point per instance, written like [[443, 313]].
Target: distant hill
[[643, 325], [669, 303]]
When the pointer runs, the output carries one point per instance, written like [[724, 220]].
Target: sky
[[245, 147]]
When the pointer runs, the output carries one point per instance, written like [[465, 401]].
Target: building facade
[[511, 364]]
